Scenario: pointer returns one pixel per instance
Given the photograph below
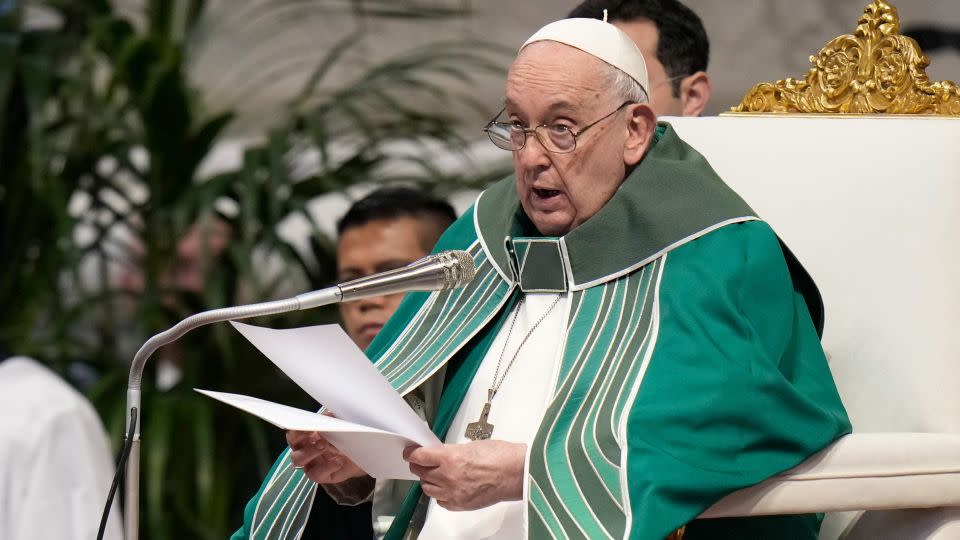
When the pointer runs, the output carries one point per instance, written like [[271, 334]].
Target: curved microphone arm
[[208, 317], [445, 270], [322, 297]]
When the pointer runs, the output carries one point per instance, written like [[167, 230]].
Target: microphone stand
[[432, 273], [305, 301]]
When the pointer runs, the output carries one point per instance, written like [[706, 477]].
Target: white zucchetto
[[599, 39]]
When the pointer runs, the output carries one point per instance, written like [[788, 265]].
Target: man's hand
[[472, 475], [320, 460]]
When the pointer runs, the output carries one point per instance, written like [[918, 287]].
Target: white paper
[[334, 371], [377, 452], [373, 425]]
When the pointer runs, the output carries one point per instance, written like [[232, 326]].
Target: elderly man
[[636, 343]]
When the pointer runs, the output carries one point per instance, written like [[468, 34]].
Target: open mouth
[[545, 193], [371, 328]]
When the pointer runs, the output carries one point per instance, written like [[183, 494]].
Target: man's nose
[[372, 302], [533, 155]]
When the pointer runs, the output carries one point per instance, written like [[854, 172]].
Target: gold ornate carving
[[875, 70]]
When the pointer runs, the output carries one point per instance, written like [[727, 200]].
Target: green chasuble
[[691, 365]]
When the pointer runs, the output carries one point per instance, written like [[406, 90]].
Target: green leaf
[[130, 147], [161, 16], [9, 51], [137, 58], [200, 142], [159, 434], [201, 419], [111, 35]]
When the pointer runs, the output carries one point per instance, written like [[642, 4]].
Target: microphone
[[445, 270], [438, 272]]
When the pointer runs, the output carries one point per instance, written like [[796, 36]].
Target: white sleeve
[[62, 479]]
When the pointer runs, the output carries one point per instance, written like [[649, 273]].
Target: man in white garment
[[55, 465], [521, 365], [601, 374]]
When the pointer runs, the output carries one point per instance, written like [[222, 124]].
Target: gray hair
[[624, 86]]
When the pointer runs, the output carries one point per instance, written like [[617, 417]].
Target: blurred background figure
[[675, 47], [55, 464], [201, 248], [387, 229], [184, 283]]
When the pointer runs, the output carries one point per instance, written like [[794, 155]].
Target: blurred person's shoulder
[[33, 398]]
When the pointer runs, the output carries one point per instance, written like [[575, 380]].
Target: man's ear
[[694, 94], [641, 127]]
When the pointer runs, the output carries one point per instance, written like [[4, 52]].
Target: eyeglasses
[[556, 138]]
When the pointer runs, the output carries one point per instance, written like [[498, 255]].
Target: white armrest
[[863, 471]]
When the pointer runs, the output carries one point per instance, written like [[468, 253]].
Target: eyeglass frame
[[575, 133]]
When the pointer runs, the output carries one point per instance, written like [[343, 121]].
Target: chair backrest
[[871, 207]]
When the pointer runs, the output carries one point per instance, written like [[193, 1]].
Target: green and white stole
[[611, 265], [576, 466]]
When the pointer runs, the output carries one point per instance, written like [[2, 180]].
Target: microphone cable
[[121, 466]]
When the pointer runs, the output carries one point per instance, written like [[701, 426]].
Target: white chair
[[870, 204], [871, 207]]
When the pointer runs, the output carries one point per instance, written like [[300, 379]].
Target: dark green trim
[[671, 196], [537, 264], [499, 215]]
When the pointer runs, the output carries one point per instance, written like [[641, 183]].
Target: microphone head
[[459, 268]]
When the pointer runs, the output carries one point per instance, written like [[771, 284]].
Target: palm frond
[[103, 135]]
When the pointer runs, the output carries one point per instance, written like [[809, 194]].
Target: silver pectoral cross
[[481, 429]]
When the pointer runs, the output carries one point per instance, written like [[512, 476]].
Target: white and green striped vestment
[[691, 365]]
